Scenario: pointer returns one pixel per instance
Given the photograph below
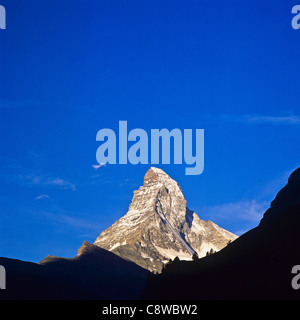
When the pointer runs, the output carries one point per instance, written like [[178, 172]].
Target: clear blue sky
[[71, 68]]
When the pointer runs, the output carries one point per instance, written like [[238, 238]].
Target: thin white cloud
[[44, 180], [291, 119], [71, 221], [42, 196], [97, 166], [240, 232], [271, 189], [248, 210], [262, 119], [62, 183]]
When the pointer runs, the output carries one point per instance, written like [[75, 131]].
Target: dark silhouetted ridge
[[255, 266]]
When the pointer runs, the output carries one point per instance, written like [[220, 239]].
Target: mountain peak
[[156, 170], [158, 226], [86, 248], [157, 179], [156, 175], [151, 176]]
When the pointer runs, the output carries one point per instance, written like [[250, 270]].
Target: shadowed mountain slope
[[255, 266], [94, 273]]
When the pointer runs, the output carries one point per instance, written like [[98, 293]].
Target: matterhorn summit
[[159, 226]]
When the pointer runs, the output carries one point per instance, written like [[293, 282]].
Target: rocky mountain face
[[158, 226]]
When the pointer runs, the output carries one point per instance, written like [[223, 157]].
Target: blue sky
[[71, 68]]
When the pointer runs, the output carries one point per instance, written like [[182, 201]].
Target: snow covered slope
[[158, 226]]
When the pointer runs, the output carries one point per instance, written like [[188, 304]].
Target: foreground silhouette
[[255, 266], [93, 274]]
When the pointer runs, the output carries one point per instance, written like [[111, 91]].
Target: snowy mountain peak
[[158, 226], [157, 176]]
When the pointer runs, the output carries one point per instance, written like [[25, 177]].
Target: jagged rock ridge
[[158, 226]]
